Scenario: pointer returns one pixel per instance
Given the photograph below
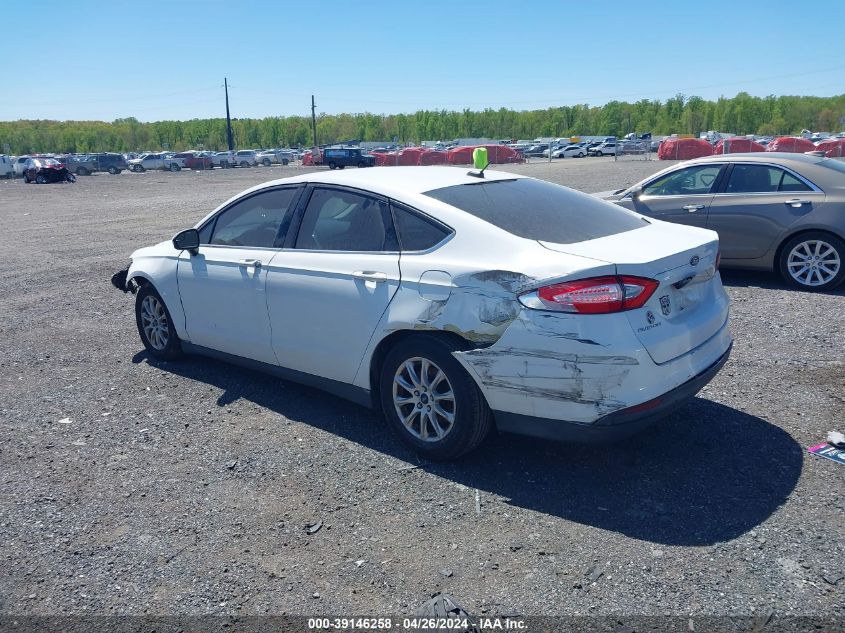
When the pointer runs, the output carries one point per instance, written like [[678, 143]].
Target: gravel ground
[[136, 487]]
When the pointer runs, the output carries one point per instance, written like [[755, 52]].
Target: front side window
[[253, 222], [685, 182], [340, 220]]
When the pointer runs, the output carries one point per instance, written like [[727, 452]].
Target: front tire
[[266, 162], [174, 167], [431, 402], [155, 325], [40, 180], [332, 165], [244, 163], [114, 170], [81, 171], [813, 261], [599, 154]]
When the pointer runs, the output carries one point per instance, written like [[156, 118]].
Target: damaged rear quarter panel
[[556, 366]]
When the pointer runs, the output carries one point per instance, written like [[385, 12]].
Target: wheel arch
[[394, 338], [163, 278]]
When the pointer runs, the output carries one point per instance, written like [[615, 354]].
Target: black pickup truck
[[340, 157]]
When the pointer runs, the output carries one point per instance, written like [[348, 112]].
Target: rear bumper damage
[[564, 377], [613, 426]]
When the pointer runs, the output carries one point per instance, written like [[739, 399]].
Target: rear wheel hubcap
[[813, 263], [424, 399]]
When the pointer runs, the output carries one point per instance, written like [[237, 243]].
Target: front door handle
[[795, 203], [692, 208], [370, 275], [255, 263]]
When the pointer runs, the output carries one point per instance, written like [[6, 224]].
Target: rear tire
[[446, 416], [285, 161], [813, 261], [114, 170], [332, 165], [155, 325], [40, 180], [266, 162], [174, 167], [599, 154], [244, 163], [81, 171]]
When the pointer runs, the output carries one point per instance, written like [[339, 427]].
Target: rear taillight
[[597, 295]]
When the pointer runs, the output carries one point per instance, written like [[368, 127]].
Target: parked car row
[[113, 163]]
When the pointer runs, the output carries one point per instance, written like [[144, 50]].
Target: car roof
[[763, 157], [399, 180]]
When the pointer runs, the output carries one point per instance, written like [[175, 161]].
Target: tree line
[[742, 114]]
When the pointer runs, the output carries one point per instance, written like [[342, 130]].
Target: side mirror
[[187, 240], [636, 192]]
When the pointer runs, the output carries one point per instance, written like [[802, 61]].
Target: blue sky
[[166, 60]]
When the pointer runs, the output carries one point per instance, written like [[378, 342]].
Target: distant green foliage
[[742, 114]]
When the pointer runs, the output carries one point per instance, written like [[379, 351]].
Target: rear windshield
[[838, 165], [539, 210]]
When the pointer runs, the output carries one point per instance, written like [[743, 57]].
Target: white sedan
[[570, 151], [451, 302]]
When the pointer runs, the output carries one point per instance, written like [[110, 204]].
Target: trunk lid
[[689, 306]]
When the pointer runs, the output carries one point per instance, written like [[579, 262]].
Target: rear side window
[[416, 233], [341, 220], [791, 183], [539, 210], [753, 179]]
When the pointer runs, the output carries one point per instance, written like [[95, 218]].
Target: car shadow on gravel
[[769, 281], [707, 474]]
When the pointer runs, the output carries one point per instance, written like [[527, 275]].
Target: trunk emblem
[[665, 306], [650, 316], [694, 260]]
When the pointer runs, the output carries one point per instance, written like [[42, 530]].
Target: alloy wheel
[[424, 399], [154, 322], [813, 263]]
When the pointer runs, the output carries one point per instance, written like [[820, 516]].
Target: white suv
[[246, 158], [148, 161], [223, 159]]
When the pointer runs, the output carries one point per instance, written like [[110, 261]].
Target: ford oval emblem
[[694, 260]]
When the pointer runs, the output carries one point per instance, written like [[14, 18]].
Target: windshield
[[539, 210]]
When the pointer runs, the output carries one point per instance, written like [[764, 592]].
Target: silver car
[[779, 212]]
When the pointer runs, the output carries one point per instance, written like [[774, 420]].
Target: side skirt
[[358, 395]]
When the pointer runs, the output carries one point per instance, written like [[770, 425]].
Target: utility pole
[[229, 140], [314, 120]]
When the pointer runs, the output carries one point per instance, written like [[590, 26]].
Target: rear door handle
[[255, 263], [796, 203], [692, 208], [370, 275]]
